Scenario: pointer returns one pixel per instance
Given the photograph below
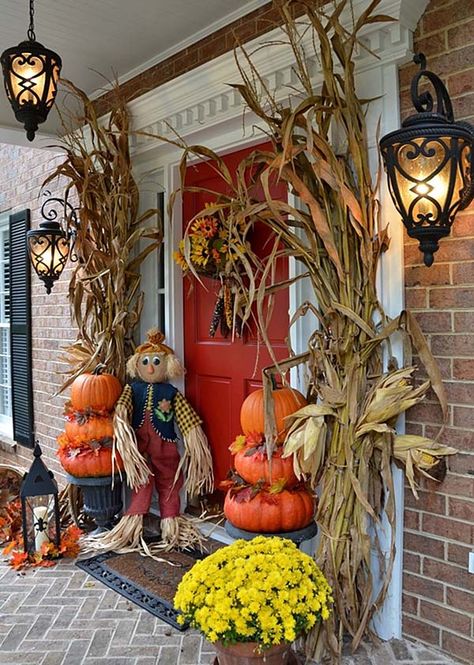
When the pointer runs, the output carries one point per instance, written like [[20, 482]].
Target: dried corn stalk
[[104, 289], [344, 442]]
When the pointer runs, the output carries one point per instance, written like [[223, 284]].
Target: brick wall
[[438, 601], [22, 170]]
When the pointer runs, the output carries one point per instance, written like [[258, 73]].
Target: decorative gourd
[[88, 463], [254, 467], [93, 428], [95, 391], [288, 510], [286, 401]]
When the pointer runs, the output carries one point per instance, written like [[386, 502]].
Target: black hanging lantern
[[429, 164], [39, 506], [50, 244], [31, 74]]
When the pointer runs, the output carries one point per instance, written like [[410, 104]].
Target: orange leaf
[[11, 546], [254, 439], [18, 560]]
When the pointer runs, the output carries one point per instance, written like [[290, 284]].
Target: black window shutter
[[20, 331]]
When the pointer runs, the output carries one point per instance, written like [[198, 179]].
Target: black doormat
[[148, 583]]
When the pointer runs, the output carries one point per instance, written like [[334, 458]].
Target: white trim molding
[[201, 107]]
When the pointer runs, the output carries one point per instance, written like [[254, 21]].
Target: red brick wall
[[22, 170], [438, 590]]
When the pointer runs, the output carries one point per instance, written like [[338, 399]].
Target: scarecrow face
[[152, 367]]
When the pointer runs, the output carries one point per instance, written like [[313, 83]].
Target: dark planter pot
[[102, 501]]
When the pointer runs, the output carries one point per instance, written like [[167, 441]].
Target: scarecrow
[[145, 436]]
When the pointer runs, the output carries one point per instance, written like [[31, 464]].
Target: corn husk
[[112, 236]]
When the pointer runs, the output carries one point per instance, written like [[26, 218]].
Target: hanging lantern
[[39, 506], [429, 164], [31, 74], [49, 245]]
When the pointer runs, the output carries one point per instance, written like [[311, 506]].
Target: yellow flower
[[264, 590]]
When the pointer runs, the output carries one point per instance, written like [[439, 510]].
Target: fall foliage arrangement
[[208, 250], [344, 441]]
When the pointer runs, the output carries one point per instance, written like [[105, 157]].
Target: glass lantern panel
[[40, 521], [49, 255], [429, 179], [53, 85], [28, 78]]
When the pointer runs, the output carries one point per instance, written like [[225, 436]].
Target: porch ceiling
[[109, 37]]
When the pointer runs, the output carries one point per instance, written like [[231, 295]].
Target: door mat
[[148, 583]]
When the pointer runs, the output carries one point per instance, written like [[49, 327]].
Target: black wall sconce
[[50, 244], [31, 74], [429, 164]]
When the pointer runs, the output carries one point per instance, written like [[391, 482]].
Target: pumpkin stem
[[99, 369], [274, 382]]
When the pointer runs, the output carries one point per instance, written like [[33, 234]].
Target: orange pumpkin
[[88, 463], [288, 510], [95, 391], [95, 427], [255, 467], [286, 401]]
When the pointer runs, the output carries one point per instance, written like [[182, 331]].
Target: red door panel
[[221, 373]]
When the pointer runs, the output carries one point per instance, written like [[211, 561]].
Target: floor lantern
[[39, 506]]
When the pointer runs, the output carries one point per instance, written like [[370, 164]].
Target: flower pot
[[249, 653]]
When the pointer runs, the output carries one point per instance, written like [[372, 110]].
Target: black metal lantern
[[429, 164], [50, 244], [39, 506], [31, 74]]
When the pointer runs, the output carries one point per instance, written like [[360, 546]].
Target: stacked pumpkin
[[85, 447], [264, 497]]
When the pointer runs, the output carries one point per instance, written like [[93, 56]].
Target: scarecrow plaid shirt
[[186, 417]]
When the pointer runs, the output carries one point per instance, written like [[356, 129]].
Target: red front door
[[221, 373]]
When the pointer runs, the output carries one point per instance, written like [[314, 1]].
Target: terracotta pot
[[248, 653]]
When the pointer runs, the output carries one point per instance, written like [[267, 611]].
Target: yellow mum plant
[[264, 590]]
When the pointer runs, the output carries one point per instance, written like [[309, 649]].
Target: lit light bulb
[[422, 189]]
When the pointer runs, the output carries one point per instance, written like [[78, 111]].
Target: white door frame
[[202, 110]]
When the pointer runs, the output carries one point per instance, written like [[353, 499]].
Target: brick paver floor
[[62, 616]]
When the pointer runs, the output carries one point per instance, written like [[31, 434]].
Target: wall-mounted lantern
[[429, 163], [31, 74], [50, 244]]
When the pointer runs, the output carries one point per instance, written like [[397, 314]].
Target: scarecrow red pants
[[163, 459]]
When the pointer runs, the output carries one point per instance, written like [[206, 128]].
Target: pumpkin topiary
[[266, 511], [95, 391], [286, 401]]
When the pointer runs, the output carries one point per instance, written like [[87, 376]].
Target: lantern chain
[[31, 29]]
